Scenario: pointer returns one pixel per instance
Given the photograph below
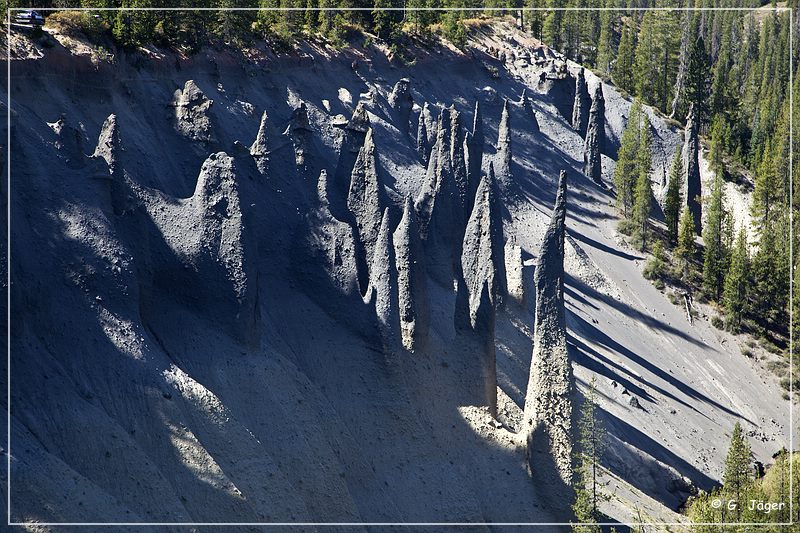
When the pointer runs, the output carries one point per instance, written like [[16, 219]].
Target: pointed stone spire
[[580, 109], [691, 169], [504, 146], [322, 190], [402, 103], [260, 146], [475, 144], [299, 130], [364, 201], [355, 133], [108, 145], [411, 281], [595, 137], [482, 258], [458, 160], [191, 113], [514, 272], [423, 148], [527, 107], [548, 407], [70, 142], [359, 122], [383, 279]]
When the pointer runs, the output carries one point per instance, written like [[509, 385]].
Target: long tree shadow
[[590, 331], [632, 312], [604, 247], [625, 432]]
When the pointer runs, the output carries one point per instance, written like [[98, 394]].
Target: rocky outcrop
[[260, 147], [475, 144], [383, 280], [401, 102], [440, 209], [299, 131], [109, 147], [414, 308], [191, 113], [423, 148], [222, 244], [364, 201], [691, 169], [514, 273], [70, 142], [504, 146], [580, 109], [548, 407], [355, 134], [595, 137]]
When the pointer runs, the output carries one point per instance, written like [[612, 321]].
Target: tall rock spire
[[527, 108], [354, 136], [458, 161], [691, 169], [475, 144], [108, 145], [299, 131], [595, 137], [260, 147], [414, 308], [383, 279], [504, 146], [580, 109], [364, 201], [402, 103], [548, 407], [423, 148]]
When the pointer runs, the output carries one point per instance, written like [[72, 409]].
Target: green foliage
[[591, 443], [736, 283], [625, 172], [643, 193], [715, 253], [697, 81], [672, 200], [623, 71], [738, 473], [686, 246], [655, 267]]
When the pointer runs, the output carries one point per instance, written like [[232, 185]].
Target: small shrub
[[747, 352], [659, 284], [78, 23], [673, 298], [626, 227], [717, 322]]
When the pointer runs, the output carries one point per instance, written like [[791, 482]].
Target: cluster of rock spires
[[452, 232]]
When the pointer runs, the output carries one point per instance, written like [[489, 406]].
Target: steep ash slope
[[204, 334]]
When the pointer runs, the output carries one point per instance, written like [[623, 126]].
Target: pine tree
[[714, 253], [736, 282], [625, 172], [606, 51], [736, 477], [623, 71], [686, 245], [672, 201], [643, 194], [591, 435], [697, 82]]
